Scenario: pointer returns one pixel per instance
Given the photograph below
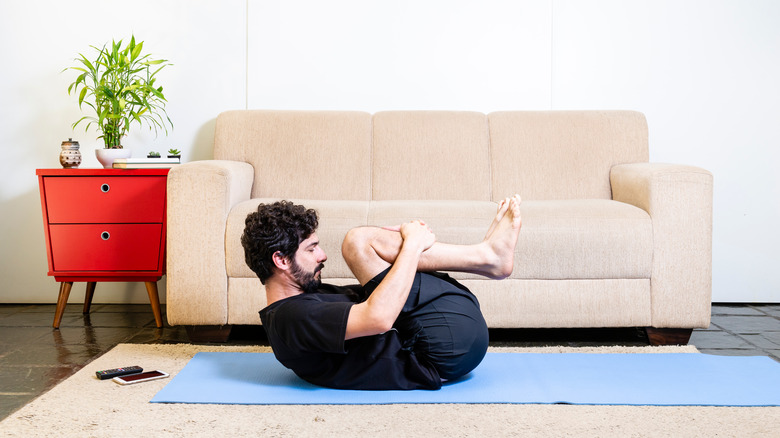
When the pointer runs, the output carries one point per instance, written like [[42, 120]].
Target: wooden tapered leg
[[154, 299], [88, 297], [668, 336], [62, 301], [200, 334]]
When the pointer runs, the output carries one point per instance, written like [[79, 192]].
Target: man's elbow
[[378, 321], [367, 321], [382, 325]]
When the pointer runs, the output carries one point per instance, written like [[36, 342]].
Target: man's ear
[[280, 261]]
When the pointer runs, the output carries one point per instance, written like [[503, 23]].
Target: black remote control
[[108, 374]]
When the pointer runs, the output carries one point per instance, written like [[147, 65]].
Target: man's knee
[[355, 243], [363, 246], [360, 252]]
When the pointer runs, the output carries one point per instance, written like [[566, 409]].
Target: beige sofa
[[608, 239]]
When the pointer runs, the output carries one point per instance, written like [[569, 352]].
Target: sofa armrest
[[200, 196], [679, 201]]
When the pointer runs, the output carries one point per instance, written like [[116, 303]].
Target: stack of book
[[145, 163]]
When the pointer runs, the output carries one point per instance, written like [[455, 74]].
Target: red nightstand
[[104, 225]]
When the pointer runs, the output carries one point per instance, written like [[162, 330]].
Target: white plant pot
[[107, 156]]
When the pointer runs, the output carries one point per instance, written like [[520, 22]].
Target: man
[[405, 327]]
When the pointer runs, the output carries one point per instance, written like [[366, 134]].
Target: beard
[[309, 282]]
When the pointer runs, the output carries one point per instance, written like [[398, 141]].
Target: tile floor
[[34, 357]]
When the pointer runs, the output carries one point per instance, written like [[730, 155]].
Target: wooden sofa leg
[[200, 334], [668, 336]]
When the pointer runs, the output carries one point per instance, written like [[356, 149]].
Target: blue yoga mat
[[574, 378]]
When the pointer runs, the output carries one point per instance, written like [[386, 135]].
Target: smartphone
[[140, 377]]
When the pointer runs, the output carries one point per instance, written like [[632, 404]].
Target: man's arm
[[378, 314]]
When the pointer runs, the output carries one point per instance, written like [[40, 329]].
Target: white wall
[[704, 72]]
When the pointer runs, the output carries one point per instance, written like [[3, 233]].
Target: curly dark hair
[[280, 226]]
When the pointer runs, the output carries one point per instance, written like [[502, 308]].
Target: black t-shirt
[[307, 334]]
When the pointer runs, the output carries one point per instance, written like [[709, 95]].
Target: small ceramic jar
[[70, 157]]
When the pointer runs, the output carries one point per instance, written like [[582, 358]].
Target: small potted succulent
[[153, 154], [119, 85], [174, 153]]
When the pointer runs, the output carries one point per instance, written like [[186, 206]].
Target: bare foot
[[501, 238]]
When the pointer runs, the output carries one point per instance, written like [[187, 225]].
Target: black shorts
[[441, 323]]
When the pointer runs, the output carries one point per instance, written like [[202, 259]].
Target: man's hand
[[417, 233]]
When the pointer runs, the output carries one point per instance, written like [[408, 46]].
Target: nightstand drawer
[[106, 247], [105, 199]]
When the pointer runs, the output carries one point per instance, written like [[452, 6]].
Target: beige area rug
[[83, 406]]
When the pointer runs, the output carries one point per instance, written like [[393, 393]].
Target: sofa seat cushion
[[566, 240], [583, 239], [571, 239]]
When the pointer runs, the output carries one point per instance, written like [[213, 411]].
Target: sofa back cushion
[[563, 154], [427, 155], [441, 155], [300, 154]]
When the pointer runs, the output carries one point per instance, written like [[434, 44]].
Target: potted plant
[[174, 153], [118, 84], [153, 154]]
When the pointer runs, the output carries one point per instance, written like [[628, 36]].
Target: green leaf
[[78, 121], [158, 93], [137, 49], [86, 62], [82, 95], [130, 88], [157, 71], [137, 100]]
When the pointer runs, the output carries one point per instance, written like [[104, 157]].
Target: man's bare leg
[[370, 250]]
